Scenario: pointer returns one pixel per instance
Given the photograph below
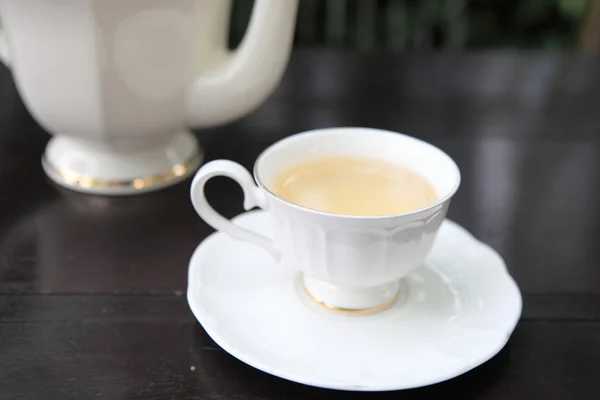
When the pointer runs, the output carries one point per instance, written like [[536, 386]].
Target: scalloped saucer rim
[[442, 325]]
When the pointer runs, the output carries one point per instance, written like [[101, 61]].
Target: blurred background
[[405, 25]]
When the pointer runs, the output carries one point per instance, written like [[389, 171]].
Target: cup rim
[[322, 131]]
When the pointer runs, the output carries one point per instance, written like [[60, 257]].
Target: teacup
[[348, 263]]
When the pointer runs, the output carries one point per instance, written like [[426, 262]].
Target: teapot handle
[[250, 73], [3, 48]]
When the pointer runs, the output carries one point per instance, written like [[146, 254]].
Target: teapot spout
[[248, 75]]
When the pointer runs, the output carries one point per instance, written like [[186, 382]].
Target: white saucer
[[454, 313]]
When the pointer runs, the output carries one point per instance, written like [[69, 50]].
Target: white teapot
[[119, 82]]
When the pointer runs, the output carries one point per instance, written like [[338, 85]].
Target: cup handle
[[253, 197]]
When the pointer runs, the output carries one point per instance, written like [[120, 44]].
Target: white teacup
[[350, 263]]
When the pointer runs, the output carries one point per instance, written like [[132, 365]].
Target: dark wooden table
[[92, 289]]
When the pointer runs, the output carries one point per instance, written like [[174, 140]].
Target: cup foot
[[82, 167], [351, 300]]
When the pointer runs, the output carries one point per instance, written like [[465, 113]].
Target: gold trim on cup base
[[76, 180], [379, 307]]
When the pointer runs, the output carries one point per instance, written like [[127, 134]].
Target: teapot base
[[84, 167]]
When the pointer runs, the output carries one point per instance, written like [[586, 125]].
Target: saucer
[[453, 313]]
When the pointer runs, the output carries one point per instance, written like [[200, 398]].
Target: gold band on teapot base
[[85, 183]]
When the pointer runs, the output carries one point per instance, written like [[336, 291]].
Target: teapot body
[[116, 83]]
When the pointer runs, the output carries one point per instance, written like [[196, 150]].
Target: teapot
[[119, 83]]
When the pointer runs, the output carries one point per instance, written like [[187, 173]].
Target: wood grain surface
[[92, 289]]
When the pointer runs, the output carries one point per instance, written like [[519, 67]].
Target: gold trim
[[72, 178], [373, 309]]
